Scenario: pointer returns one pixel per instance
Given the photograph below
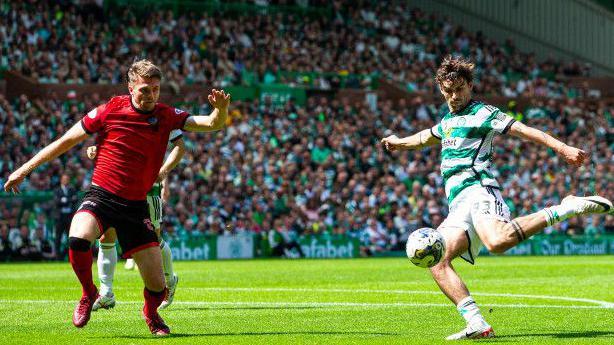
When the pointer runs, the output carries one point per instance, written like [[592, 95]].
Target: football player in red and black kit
[[132, 136]]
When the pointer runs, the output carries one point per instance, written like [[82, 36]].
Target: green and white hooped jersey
[[154, 200], [466, 146], [154, 196], [156, 189]]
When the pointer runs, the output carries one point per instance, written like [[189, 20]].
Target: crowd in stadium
[[295, 170], [69, 44], [319, 169]]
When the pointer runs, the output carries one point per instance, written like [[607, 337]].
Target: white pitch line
[[600, 304], [282, 305], [403, 292]]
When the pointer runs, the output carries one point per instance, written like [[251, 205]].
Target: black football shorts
[[130, 219]]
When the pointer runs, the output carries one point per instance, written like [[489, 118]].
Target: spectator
[[5, 245], [282, 241], [66, 205], [23, 247]]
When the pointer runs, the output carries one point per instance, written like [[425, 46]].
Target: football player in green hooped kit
[[478, 214]]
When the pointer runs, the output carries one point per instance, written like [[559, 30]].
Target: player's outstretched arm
[[214, 121], [419, 140], [172, 160], [75, 135], [572, 155], [165, 193]]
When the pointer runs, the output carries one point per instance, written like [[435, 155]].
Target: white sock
[[558, 213], [107, 259], [470, 311], [167, 261]]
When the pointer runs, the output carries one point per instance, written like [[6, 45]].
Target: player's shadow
[[243, 334], [562, 335]]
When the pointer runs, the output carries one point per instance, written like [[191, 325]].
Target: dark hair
[[453, 68]]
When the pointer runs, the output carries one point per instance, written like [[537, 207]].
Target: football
[[425, 247]]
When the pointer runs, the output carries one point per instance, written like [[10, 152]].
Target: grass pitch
[[361, 301]]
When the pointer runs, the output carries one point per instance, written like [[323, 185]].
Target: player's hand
[[392, 143], [573, 156], [219, 99], [91, 152], [14, 180]]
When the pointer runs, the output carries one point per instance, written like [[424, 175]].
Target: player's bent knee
[[84, 225], [494, 243], [440, 268], [501, 240], [497, 237], [498, 248]]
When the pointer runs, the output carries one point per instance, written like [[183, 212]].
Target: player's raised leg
[[84, 229], [499, 236], [455, 289], [149, 261], [107, 260]]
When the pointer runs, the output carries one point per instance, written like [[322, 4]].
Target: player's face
[[145, 93], [457, 93]]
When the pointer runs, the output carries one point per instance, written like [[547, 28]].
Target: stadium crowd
[[315, 169], [293, 170], [64, 43]]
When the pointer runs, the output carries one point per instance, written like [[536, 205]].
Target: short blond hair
[[144, 69]]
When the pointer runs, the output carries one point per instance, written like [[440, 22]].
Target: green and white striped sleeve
[[436, 131], [499, 121]]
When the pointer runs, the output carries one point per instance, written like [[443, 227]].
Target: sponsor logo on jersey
[[450, 142], [87, 202], [152, 120]]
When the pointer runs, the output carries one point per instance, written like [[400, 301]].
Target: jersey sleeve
[[436, 131], [93, 121], [499, 121], [178, 118], [176, 134]]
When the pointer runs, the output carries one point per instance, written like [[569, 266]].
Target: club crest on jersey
[[152, 120], [178, 111]]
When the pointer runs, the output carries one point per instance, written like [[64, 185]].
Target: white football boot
[[480, 330], [588, 204], [104, 302], [171, 293]]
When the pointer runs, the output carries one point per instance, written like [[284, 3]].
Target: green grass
[[360, 301]]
